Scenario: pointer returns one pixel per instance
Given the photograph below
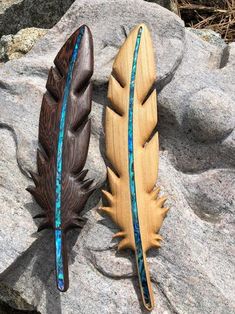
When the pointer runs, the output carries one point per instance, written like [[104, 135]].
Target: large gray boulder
[[194, 270]]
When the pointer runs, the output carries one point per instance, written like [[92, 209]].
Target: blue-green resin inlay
[[135, 218], [59, 259], [59, 162]]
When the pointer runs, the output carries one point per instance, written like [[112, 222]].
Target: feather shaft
[[141, 264], [58, 233]]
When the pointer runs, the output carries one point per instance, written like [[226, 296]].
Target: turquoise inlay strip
[[59, 260], [59, 162], [135, 219]]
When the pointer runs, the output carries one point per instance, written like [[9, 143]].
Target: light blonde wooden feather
[[130, 121]]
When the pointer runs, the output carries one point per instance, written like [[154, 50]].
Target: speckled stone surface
[[209, 35], [193, 272]]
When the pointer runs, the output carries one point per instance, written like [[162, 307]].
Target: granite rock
[[193, 271]]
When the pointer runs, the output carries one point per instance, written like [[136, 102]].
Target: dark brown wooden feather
[[75, 188]]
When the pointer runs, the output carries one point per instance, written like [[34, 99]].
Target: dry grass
[[219, 17]]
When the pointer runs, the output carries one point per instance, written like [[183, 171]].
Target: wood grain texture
[[75, 189], [145, 149]]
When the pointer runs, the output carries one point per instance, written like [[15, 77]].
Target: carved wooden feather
[[64, 133], [132, 150]]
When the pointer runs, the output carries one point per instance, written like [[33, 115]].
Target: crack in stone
[[93, 263], [5, 126], [168, 77], [171, 306], [224, 57], [5, 308]]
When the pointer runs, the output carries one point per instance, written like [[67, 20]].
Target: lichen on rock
[[16, 46]]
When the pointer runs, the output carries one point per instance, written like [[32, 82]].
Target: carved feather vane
[[132, 150], [64, 132]]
